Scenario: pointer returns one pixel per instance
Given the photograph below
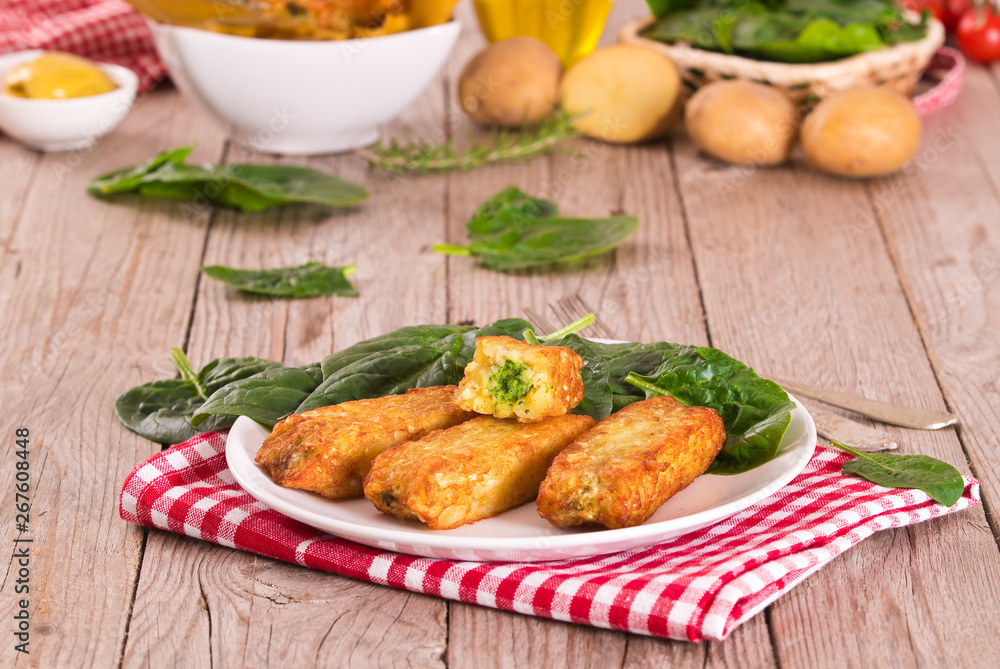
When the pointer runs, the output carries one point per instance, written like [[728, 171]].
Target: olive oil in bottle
[[570, 27]]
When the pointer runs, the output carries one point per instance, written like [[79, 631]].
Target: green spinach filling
[[507, 385]]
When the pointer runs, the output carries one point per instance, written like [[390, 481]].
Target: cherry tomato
[[952, 11], [978, 34], [936, 7]]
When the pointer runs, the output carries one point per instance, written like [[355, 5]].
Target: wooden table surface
[[887, 288]]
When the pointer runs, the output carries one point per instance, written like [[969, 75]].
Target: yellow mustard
[[56, 76], [571, 28]]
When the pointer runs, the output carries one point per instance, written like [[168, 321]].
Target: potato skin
[[623, 94], [742, 122], [863, 132], [472, 471], [558, 390], [329, 450], [621, 471], [511, 83]]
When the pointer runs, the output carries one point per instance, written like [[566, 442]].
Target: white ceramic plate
[[520, 535]]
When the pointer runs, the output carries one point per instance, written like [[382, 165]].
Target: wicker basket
[[897, 67]]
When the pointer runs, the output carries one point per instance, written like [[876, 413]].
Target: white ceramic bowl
[[303, 97], [65, 125]]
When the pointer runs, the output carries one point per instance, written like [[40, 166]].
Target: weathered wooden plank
[[278, 614], [942, 226], [796, 279], [18, 168], [82, 281]]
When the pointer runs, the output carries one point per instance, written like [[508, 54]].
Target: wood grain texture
[[942, 226], [887, 289], [830, 310], [295, 616], [629, 288], [18, 169], [88, 280]]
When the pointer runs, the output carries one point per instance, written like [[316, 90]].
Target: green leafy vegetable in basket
[[310, 280], [513, 231], [756, 412], [242, 186], [789, 31]]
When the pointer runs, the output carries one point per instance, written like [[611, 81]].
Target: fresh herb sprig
[[504, 145], [938, 479], [312, 279]]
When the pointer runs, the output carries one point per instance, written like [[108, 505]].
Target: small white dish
[[303, 97], [65, 125], [520, 535]]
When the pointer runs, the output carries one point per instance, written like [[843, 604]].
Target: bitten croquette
[[510, 378]]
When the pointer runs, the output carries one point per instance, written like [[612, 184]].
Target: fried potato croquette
[[508, 378], [329, 450], [469, 472], [621, 471]]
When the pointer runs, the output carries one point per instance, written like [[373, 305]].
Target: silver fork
[[570, 309]]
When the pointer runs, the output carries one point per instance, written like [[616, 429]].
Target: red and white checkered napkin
[[698, 586], [106, 30]]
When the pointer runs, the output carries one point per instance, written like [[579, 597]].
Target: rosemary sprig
[[504, 146]]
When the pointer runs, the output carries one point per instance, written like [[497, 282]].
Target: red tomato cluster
[[975, 24]]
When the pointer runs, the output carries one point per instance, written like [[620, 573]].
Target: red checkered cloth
[[105, 30], [699, 586]]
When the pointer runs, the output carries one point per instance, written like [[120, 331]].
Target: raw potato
[[742, 122], [864, 132], [511, 83], [625, 93]]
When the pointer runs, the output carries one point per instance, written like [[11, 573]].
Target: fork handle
[[921, 419]]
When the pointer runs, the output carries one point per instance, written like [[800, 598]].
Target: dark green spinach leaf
[[755, 411], [161, 410], [246, 187], [436, 360], [310, 280], [938, 479], [793, 31], [513, 231], [267, 396]]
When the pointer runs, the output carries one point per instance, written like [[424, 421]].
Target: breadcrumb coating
[[469, 472], [329, 450], [621, 471]]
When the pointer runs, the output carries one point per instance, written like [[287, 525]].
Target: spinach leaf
[[513, 231], [287, 184], [402, 360], [823, 40], [267, 396], [755, 411], [310, 280], [240, 186], [938, 479], [161, 410], [794, 31], [129, 178]]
